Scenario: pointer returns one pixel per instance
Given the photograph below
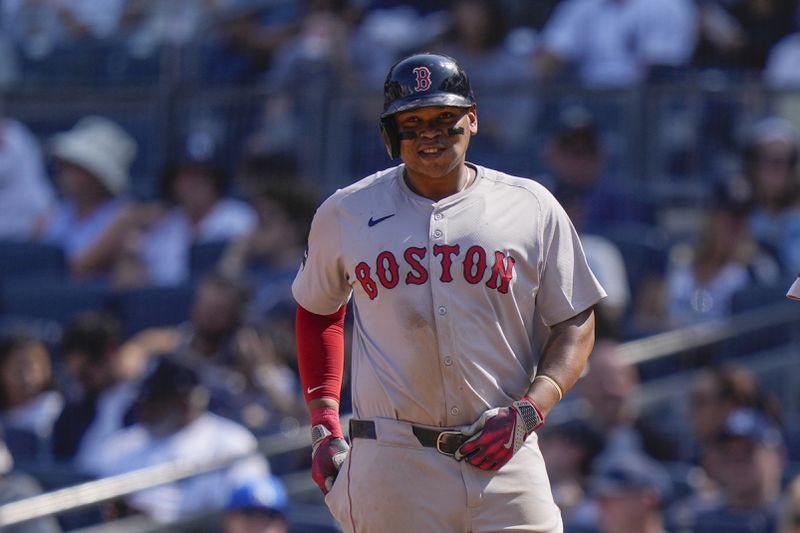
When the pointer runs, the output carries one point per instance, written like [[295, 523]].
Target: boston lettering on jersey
[[473, 265]]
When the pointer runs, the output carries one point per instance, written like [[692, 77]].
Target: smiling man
[[447, 263]]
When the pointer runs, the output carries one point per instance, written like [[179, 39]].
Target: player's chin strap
[[408, 135]]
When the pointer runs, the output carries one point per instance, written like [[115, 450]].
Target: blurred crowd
[[602, 43], [722, 460], [167, 331]]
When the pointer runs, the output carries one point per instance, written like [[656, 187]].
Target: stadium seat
[[57, 300], [204, 256], [149, 307], [20, 259]]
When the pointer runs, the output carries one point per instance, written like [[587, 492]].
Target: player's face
[[433, 153]]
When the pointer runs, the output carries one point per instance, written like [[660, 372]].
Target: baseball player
[[446, 262]]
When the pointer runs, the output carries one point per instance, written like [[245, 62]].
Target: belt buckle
[[445, 434]]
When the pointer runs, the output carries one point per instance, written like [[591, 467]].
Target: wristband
[[552, 382], [329, 417]]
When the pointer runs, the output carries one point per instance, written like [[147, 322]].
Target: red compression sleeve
[[320, 353]]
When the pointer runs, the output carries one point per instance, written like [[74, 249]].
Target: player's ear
[[472, 113]]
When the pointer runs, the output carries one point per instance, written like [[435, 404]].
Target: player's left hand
[[499, 433]]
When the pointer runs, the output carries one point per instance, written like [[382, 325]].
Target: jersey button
[[442, 310], [454, 411], [438, 216], [437, 233], [448, 361]]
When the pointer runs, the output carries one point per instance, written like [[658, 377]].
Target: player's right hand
[[327, 455]]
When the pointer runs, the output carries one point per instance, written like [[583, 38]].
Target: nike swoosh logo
[[372, 221], [510, 442], [312, 389]]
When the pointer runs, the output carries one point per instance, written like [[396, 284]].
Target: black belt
[[446, 441]]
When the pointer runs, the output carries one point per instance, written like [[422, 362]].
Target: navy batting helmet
[[421, 80]]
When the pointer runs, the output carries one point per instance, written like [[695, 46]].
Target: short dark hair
[[208, 168], [92, 333], [577, 129], [238, 286], [168, 378]]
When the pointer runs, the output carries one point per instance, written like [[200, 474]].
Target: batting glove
[[328, 448], [499, 433]]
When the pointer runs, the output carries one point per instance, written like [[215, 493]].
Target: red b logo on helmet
[[423, 79]]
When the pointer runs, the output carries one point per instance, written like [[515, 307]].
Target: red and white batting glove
[[499, 433], [329, 449]]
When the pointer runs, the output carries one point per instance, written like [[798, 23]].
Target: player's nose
[[431, 130]]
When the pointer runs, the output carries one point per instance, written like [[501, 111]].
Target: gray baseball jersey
[[794, 290], [445, 292]]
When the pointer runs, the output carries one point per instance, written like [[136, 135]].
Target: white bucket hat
[[100, 146]]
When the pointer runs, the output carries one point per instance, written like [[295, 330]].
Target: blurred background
[[160, 162]]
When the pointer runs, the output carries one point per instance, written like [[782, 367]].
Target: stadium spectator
[[26, 193], [576, 172], [106, 377], [617, 43], [790, 508], [93, 160], [746, 459], [320, 49], [40, 26], [271, 252], [236, 360], [388, 30], [738, 36], [257, 507], [29, 403], [175, 425], [576, 169], [702, 277], [195, 210], [152, 23], [608, 396], [770, 158], [569, 449], [253, 31], [631, 491], [714, 393], [779, 72], [17, 486]]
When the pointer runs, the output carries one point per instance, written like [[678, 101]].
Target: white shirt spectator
[[101, 17], [165, 250], [26, 194], [36, 416], [691, 302], [613, 42], [781, 71], [208, 438], [112, 406], [176, 21], [608, 265]]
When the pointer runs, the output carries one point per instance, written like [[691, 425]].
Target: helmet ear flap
[[391, 136]]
